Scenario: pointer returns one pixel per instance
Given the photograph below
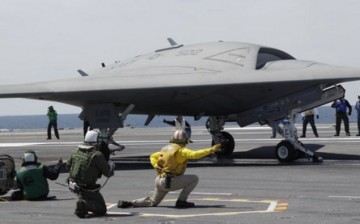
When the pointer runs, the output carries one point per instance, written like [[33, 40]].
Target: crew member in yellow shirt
[[170, 165]]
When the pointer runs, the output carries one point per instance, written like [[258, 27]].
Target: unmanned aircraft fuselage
[[198, 80], [243, 82]]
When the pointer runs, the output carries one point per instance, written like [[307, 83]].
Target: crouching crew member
[[86, 165], [170, 164], [32, 178]]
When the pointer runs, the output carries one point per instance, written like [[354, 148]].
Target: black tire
[[286, 152], [227, 146]]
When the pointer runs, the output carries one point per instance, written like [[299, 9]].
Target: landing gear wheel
[[286, 152], [317, 159], [227, 145]]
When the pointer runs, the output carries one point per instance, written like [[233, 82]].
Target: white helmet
[[30, 157], [179, 137], [91, 137]]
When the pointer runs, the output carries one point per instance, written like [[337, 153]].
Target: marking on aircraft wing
[[273, 206], [235, 56]]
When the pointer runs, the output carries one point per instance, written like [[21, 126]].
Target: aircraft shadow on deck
[[260, 154], [236, 159], [267, 152]]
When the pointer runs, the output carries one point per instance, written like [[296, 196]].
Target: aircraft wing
[[221, 78]]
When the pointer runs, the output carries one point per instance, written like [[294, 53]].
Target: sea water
[[72, 121]]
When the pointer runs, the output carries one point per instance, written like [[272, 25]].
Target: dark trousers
[[52, 124], [90, 201], [86, 127], [358, 122], [309, 119], [339, 118]]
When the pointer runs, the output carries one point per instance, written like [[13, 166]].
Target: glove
[[349, 113], [57, 167], [317, 116], [216, 148]]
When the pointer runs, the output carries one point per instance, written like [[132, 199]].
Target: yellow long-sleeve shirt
[[173, 158]]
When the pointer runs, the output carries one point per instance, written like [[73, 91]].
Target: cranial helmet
[[179, 137], [91, 137], [30, 157]]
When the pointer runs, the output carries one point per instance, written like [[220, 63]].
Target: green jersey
[[33, 181]]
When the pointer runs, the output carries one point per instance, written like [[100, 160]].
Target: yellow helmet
[[179, 137]]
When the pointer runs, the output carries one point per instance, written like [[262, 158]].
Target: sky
[[43, 40]]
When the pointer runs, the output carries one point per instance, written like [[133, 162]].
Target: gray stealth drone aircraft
[[225, 81]]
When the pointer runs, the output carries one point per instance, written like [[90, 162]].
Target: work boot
[[81, 210], [302, 136], [124, 204], [184, 204], [337, 134]]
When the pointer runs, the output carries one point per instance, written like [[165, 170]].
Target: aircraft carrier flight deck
[[250, 186]]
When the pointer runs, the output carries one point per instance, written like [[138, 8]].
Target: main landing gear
[[287, 150], [215, 125], [291, 148]]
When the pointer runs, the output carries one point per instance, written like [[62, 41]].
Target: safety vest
[[180, 125], [52, 115], [34, 183], [341, 106], [168, 163], [81, 170], [308, 112]]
